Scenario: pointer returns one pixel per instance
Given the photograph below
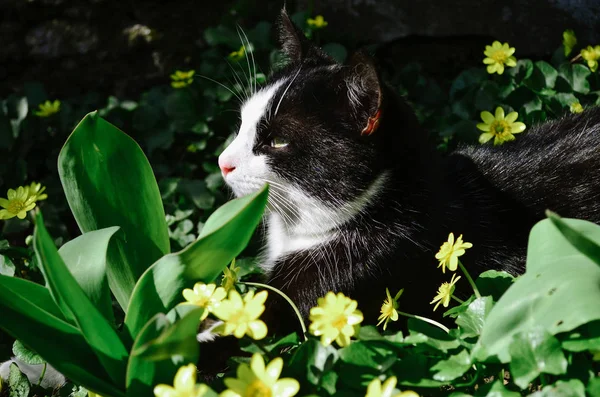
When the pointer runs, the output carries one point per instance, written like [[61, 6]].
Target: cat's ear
[[295, 45], [364, 90]]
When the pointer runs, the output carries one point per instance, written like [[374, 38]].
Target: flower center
[[239, 317], [340, 322], [258, 389], [15, 206], [500, 127], [499, 56]]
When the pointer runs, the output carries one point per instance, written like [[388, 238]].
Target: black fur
[[491, 195]]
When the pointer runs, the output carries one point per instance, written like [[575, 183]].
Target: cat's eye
[[278, 142]]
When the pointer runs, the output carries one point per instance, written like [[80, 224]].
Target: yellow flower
[[388, 309], [569, 41], [498, 55], [207, 296], [182, 79], [230, 276], [335, 319], [576, 107], [238, 55], [48, 108], [184, 385], [388, 389], [450, 251], [241, 316], [37, 190], [445, 292], [256, 380], [499, 127], [317, 22], [18, 203], [591, 55]]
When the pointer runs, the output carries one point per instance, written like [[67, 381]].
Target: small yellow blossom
[[388, 309], [576, 107], [18, 203], [388, 389], [501, 128], [445, 292], [184, 385], [181, 79], [450, 251], [241, 317], [317, 22], [48, 108], [569, 41], [37, 190], [335, 319], [230, 276], [498, 55], [258, 380], [591, 55], [238, 55], [207, 296]]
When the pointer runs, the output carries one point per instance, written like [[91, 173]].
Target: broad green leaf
[[584, 338], [494, 283], [414, 369], [534, 352], [85, 256], [30, 314], [593, 387], [522, 71], [144, 373], [498, 390], [365, 354], [570, 388], [471, 321], [559, 292], [178, 339], [225, 234], [73, 302], [26, 355], [423, 333], [18, 383], [312, 360], [453, 367], [576, 76], [577, 237], [109, 182], [550, 74]]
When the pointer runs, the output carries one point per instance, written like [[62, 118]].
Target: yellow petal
[[499, 68], [511, 117], [499, 113], [515, 128], [185, 379], [236, 385], [286, 387], [273, 371], [487, 117], [483, 127], [511, 61], [165, 391], [258, 329]]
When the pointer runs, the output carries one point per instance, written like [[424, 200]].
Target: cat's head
[[313, 132]]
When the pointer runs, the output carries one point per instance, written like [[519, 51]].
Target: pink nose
[[226, 168]]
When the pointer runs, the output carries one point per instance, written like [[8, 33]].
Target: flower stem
[[427, 320], [468, 276], [458, 299], [42, 375], [287, 298]]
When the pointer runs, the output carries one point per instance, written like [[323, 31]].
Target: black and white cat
[[360, 200]]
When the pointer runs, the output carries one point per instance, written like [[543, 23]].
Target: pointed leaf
[[453, 367], [109, 182], [85, 257], [18, 383], [225, 234], [73, 302], [30, 314]]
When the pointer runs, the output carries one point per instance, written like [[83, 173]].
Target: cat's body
[[360, 200]]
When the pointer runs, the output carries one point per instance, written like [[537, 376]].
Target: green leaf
[[106, 176], [578, 238], [7, 267], [534, 352], [497, 390], [550, 74], [423, 333], [178, 339], [570, 388], [494, 283], [522, 71], [75, 305], [158, 336], [453, 367], [30, 315], [472, 320], [469, 78], [18, 383], [584, 338], [85, 257], [576, 77], [593, 388], [366, 354], [559, 291], [225, 234], [25, 354], [312, 360]]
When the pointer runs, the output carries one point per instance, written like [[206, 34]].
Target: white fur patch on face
[[251, 171]]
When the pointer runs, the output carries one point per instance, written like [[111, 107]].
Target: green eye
[[278, 142]]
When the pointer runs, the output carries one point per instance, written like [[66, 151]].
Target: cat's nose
[[225, 166]]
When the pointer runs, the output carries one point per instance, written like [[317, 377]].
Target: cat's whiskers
[[246, 47], [286, 89], [221, 84], [251, 50]]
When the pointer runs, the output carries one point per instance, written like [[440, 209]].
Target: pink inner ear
[[372, 124]]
